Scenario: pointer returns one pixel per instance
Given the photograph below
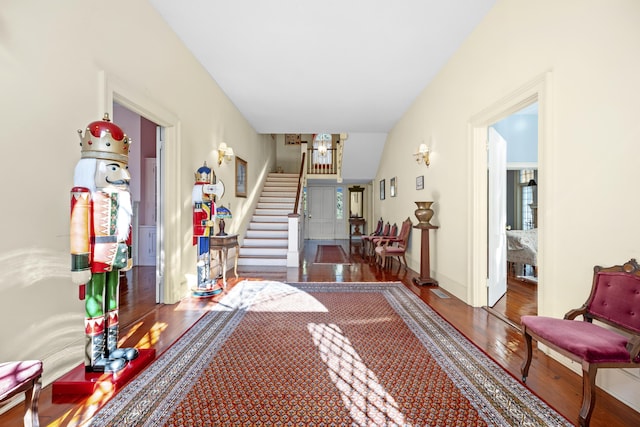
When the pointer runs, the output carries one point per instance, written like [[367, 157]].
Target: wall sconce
[[423, 154], [224, 153]]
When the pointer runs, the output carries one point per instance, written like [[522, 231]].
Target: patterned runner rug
[[356, 354], [331, 254]]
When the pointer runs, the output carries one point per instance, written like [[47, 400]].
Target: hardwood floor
[[149, 325], [521, 299]]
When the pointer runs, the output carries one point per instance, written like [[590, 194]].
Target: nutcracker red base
[[80, 384]]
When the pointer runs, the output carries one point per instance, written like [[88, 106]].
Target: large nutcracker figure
[[203, 196], [101, 215]]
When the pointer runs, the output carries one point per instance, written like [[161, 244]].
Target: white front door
[[321, 203], [497, 201]]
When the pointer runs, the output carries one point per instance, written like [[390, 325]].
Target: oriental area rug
[[330, 354], [331, 254]]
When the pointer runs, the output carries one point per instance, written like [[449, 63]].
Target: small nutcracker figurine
[[100, 237]]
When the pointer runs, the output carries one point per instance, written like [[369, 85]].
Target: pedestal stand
[[425, 268]]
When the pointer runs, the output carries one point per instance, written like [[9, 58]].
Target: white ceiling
[[303, 66]]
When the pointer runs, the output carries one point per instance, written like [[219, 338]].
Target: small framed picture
[[382, 184], [241, 177], [392, 187], [420, 182]]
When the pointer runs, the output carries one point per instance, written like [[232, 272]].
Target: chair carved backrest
[[405, 231], [394, 230], [386, 230], [378, 229], [615, 297]]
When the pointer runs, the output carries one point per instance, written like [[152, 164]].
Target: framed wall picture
[[382, 184], [420, 182], [392, 187], [241, 177], [292, 138]]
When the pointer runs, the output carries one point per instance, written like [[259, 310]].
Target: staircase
[[266, 240]]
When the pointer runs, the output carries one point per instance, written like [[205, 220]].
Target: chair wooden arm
[[572, 314], [385, 241], [633, 346]]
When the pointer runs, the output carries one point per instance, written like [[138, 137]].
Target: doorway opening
[[512, 227], [143, 187], [537, 91]]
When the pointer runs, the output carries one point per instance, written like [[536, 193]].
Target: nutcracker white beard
[[125, 214], [85, 176]]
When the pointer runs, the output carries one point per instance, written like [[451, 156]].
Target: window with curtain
[[528, 188]]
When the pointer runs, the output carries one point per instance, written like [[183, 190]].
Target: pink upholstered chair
[[379, 228], [22, 377], [393, 246], [392, 233], [366, 240], [615, 302], [369, 240]]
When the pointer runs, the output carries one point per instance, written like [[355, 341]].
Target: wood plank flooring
[[149, 325]]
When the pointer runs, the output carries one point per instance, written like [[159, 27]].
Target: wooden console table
[[425, 268], [221, 245], [355, 234]]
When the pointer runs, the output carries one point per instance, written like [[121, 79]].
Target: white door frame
[[540, 90], [168, 267]]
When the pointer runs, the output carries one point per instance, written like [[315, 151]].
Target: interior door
[[497, 203], [159, 214], [322, 216]]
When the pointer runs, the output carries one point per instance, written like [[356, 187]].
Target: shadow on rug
[[324, 353], [331, 254]]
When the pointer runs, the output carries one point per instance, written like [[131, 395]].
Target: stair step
[[290, 181], [275, 205], [283, 175], [268, 226], [281, 184], [266, 242], [263, 261], [267, 234], [279, 194], [273, 212], [263, 251], [286, 198], [269, 218]]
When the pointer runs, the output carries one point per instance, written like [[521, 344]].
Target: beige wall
[[589, 171], [289, 156], [53, 69]]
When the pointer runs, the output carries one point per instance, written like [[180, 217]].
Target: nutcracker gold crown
[[104, 140]]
